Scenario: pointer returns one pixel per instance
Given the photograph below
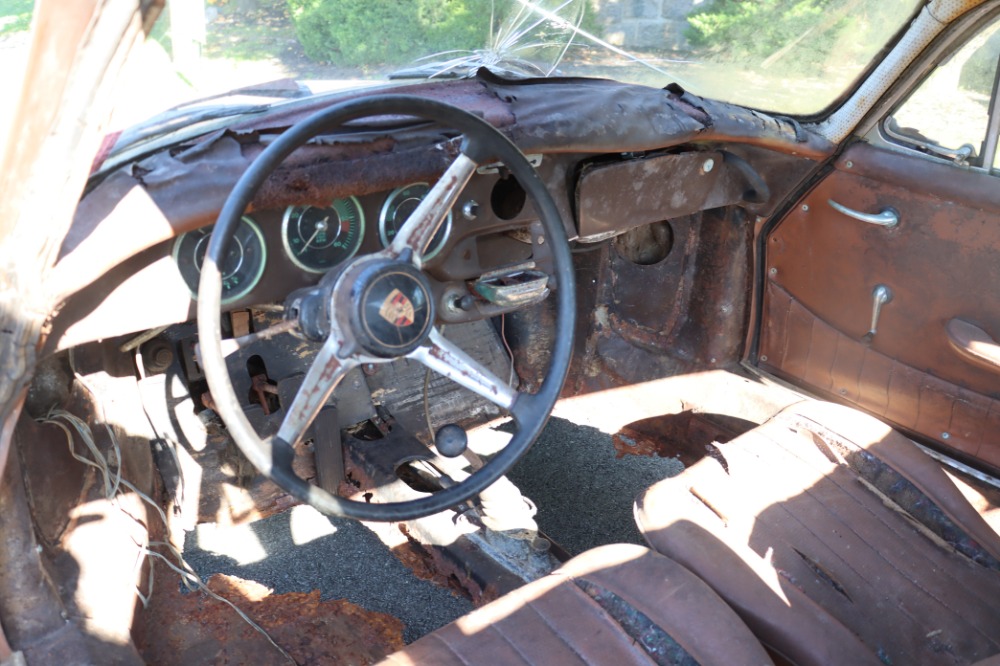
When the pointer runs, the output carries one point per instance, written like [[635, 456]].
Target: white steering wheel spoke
[[446, 358], [418, 231], [326, 372], [381, 307]]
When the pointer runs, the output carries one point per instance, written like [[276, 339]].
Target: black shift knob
[[451, 440]]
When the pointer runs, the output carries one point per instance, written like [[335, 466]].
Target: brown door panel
[[941, 263], [799, 346]]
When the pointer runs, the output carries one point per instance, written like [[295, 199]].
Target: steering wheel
[[379, 307]]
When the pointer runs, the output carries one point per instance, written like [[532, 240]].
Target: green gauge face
[[241, 268], [397, 209], [317, 239]]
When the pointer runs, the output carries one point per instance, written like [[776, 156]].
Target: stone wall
[[641, 24]]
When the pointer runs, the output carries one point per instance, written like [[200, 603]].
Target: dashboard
[[278, 250], [312, 239]]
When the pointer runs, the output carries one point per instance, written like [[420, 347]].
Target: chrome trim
[[881, 295], [959, 466], [888, 218], [959, 156]]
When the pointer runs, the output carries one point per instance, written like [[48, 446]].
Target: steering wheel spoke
[[418, 231], [326, 372], [380, 308], [446, 358]]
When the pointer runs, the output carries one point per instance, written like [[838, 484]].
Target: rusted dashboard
[[138, 230], [279, 250]]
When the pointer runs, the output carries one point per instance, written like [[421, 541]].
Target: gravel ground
[[583, 493], [344, 560]]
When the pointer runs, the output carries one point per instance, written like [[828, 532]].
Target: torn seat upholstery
[[613, 605], [837, 541]]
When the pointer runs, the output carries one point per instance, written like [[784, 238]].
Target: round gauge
[[397, 210], [317, 239], [241, 268]]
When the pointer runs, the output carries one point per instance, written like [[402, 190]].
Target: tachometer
[[398, 207], [241, 268], [317, 239]]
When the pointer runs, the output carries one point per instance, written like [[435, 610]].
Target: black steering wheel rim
[[530, 411]]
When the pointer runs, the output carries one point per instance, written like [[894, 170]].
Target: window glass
[[793, 57], [949, 111]]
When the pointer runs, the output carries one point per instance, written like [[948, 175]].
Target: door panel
[[941, 263]]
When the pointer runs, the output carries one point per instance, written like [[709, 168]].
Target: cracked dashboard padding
[[808, 535]]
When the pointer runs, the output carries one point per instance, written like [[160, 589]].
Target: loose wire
[[113, 484]]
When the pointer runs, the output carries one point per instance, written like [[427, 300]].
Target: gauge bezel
[[286, 218], [250, 285], [384, 237]]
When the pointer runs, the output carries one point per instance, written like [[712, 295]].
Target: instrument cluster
[[313, 239]]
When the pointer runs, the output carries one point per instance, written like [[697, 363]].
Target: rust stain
[[630, 442], [194, 628], [425, 561], [687, 436], [430, 563]]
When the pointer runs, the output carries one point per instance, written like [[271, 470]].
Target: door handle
[[888, 218]]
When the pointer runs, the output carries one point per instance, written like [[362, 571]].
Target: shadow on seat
[[837, 541], [613, 605]]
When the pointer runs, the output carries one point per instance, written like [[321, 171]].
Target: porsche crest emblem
[[397, 309]]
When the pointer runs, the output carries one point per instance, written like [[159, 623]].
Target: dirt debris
[[182, 628]]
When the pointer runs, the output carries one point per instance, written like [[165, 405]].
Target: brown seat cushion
[[837, 541], [613, 605]]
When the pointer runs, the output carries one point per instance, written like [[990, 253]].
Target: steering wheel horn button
[[397, 309], [392, 309]]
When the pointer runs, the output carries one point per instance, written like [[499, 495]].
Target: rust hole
[[646, 245], [420, 476]]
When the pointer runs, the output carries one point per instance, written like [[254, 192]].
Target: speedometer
[[316, 239], [241, 268], [398, 207]]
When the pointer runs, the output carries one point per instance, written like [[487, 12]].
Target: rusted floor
[[193, 628]]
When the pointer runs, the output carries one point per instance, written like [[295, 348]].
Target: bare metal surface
[[73, 64], [679, 315]]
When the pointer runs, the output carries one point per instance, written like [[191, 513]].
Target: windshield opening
[[793, 57]]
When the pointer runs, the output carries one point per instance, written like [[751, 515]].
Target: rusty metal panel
[[612, 198], [193, 628]]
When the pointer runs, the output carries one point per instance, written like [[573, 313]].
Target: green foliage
[[15, 15], [348, 32], [756, 29]]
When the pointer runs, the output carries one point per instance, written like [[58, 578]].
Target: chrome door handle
[[888, 218], [881, 295]]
